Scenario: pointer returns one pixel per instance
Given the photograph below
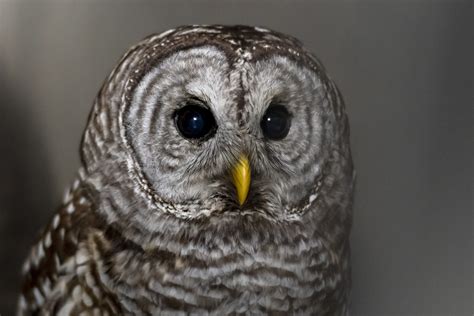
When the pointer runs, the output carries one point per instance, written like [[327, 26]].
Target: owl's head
[[214, 120]]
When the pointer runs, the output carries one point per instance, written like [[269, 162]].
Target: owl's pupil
[[194, 121], [276, 122]]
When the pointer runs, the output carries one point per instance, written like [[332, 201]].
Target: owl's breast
[[235, 277]]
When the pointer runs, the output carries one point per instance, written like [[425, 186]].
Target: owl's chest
[[281, 280]]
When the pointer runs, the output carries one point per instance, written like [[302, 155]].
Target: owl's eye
[[194, 121], [276, 122]]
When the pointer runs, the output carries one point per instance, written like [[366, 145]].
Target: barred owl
[[216, 178]]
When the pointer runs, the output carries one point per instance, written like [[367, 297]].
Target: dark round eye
[[276, 122], [194, 121]]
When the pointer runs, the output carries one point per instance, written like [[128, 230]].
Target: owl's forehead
[[234, 40], [239, 44], [216, 48]]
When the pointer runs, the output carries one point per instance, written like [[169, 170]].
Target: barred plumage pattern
[[149, 226]]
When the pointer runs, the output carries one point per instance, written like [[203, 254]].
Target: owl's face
[[194, 115], [218, 120]]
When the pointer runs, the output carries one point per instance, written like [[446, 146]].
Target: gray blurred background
[[404, 67]]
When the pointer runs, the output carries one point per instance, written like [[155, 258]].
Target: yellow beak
[[241, 178]]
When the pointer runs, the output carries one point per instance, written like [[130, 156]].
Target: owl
[[216, 178]]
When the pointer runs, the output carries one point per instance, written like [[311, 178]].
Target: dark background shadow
[[404, 68], [25, 190]]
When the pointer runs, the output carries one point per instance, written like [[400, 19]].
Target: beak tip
[[242, 200]]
